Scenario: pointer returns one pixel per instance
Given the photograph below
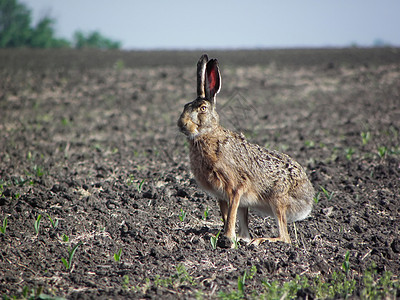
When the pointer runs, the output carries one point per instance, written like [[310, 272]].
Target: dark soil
[[80, 131]]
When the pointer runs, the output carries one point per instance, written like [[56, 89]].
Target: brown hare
[[240, 174]]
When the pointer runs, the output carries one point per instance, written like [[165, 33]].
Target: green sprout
[[138, 185], [349, 153], [54, 223], [65, 238], [317, 197], [382, 151], [37, 224], [242, 279], [205, 214], [119, 65], [309, 143], [241, 282], [3, 228], [328, 195], [346, 264], [214, 239], [71, 253], [235, 243], [38, 171], [182, 216], [117, 256], [365, 136]]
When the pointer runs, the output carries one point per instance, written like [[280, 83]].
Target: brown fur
[[240, 174]]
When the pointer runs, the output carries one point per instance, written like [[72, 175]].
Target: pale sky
[[227, 24]]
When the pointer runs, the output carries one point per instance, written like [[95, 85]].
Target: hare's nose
[[181, 123]]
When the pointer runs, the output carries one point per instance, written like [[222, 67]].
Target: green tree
[[43, 35], [16, 31], [15, 20], [94, 40]]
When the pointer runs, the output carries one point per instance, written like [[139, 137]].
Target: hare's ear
[[213, 79], [201, 76]]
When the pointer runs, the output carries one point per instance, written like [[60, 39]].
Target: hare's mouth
[[189, 130]]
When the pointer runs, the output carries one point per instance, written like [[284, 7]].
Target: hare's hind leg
[[281, 219]]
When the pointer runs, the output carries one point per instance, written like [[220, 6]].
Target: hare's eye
[[203, 108]]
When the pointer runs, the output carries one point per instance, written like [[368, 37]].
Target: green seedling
[[119, 65], [328, 195], [34, 293], [117, 256], [37, 224], [38, 171], [125, 282], [71, 253], [205, 214], [130, 180], [317, 197], [65, 122], [214, 240], [309, 144], [138, 185], [29, 155], [242, 279], [182, 216], [365, 136], [382, 151], [65, 238], [235, 243], [349, 153], [3, 228], [54, 223], [21, 181], [181, 277], [241, 282], [346, 264], [379, 288]]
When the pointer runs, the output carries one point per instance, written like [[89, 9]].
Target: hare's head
[[200, 116]]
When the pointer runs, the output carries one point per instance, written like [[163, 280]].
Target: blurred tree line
[[16, 31]]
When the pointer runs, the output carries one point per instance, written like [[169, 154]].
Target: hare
[[239, 174]]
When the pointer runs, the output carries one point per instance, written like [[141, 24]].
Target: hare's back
[[261, 162]]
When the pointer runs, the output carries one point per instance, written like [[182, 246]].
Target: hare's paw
[[225, 242], [245, 239], [259, 241]]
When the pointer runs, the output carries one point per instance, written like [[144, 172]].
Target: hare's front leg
[[243, 217], [229, 212], [230, 224]]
